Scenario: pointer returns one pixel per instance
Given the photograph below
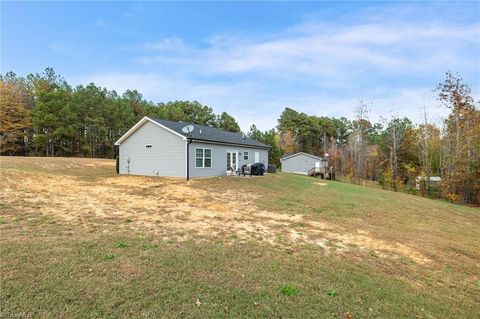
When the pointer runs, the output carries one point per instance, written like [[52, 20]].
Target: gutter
[[189, 141], [266, 147]]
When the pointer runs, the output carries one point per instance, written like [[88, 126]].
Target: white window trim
[[203, 157], [248, 155], [237, 158]]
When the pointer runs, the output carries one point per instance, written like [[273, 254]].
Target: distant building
[[434, 181], [301, 163]]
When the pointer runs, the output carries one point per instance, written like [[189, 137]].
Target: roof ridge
[[186, 123], [202, 125], [211, 133], [298, 153]]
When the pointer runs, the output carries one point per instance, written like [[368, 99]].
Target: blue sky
[[253, 59]]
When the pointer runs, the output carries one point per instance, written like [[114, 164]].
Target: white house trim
[[186, 158], [237, 160], [203, 157], [139, 124], [229, 144], [301, 153]]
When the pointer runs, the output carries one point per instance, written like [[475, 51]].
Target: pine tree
[[226, 122], [54, 122]]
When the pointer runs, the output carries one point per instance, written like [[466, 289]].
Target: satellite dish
[[187, 129]]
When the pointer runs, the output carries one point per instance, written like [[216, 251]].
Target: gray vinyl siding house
[[156, 147], [219, 159], [301, 162]]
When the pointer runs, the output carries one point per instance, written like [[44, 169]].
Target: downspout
[[188, 158]]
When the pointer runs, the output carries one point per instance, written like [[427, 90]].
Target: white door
[[232, 161], [257, 157]]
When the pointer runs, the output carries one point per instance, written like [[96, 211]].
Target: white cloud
[[104, 25], [313, 67], [152, 86], [167, 44], [329, 52], [250, 104]]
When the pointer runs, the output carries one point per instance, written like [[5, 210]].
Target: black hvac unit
[[257, 169]]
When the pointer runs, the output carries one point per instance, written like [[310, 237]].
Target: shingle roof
[[211, 134], [285, 156]]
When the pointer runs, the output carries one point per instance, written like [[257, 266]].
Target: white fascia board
[[302, 153], [140, 123], [168, 129], [265, 148]]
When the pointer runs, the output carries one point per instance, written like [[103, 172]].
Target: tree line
[[42, 115], [396, 153]]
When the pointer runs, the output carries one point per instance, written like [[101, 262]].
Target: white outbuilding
[[301, 163]]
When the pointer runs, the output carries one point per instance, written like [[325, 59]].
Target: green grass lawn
[[54, 267]]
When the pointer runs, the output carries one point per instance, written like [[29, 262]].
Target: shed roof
[[287, 156]]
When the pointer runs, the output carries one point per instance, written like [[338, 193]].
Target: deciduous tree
[[15, 119]]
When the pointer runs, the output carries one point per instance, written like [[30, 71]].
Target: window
[[203, 157], [245, 156], [208, 158], [148, 145], [199, 157]]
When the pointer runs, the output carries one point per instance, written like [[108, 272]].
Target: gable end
[[139, 124]]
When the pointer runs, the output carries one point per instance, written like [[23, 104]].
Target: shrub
[[452, 198]]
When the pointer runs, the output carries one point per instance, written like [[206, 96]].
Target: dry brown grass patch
[[166, 207]]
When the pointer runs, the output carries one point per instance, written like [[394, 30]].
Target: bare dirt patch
[[172, 208]]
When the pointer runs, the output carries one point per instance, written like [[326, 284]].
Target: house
[[157, 147], [420, 181], [302, 163]]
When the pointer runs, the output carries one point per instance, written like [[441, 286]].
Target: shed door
[[257, 157]]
